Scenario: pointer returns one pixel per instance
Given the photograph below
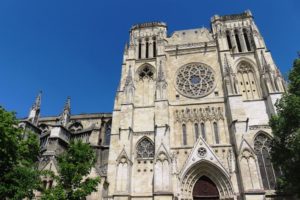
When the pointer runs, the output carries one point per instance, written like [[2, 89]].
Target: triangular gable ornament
[[162, 154], [123, 158], [202, 151]]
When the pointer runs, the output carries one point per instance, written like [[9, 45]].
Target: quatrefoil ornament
[[202, 152]]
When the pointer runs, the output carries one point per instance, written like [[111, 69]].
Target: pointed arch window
[[140, 49], [203, 131], [247, 81], [184, 136], [107, 133], [216, 131], [147, 48], [145, 149], [228, 39], [236, 34], [245, 33], [262, 150], [154, 46], [196, 126]]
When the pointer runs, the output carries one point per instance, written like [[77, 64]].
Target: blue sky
[[74, 48]]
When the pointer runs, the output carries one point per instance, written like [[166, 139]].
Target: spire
[[227, 65], [129, 80], [265, 66], [68, 105], [37, 103], [66, 114], [129, 87], [161, 83], [126, 48], [263, 59], [35, 109], [161, 75]]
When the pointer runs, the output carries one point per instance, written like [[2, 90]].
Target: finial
[[126, 47], [129, 77], [68, 104], [160, 76], [35, 110], [263, 59], [66, 114], [227, 65], [37, 103]]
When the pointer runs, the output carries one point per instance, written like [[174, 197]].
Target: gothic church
[[190, 117]]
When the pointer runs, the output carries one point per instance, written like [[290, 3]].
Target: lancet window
[[216, 132], [228, 39], [203, 131], [140, 49], [184, 136], [107, 133], [147, 48], [145, 149], [262, 151], [154, 46], [238, 42], [247, 39], [196, 126]]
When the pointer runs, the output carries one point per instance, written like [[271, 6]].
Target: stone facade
[[190, 118]]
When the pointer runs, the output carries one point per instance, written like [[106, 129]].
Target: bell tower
[[252, 84], [140, 116]]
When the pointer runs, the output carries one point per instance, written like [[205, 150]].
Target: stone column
[[233, 42], [150, 49], [143, 49]]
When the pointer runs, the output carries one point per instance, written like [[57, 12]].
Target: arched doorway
[[205, 189]]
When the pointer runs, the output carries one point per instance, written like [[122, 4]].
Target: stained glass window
[[145, 149], [195, 80], [262, 151]]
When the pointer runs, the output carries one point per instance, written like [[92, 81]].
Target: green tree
[[19, 176], [74, 165], [285, 126]]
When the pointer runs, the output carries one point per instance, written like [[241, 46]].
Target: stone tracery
[[146, 72], [199, 114], [195, 80], [145, 149], [262, 147]]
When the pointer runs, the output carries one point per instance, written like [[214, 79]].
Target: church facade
[[190, 117]]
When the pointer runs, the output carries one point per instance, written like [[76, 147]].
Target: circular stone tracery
[[202, 152], [195, 80]]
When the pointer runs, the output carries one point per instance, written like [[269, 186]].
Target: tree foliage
[[19, 154], [74, 165], [285, 126]]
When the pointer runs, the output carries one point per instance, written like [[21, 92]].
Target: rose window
[[195, 80]]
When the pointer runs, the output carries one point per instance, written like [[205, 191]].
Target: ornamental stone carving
[[199, 114], [202, 152], [145, 149], [195, 80]]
